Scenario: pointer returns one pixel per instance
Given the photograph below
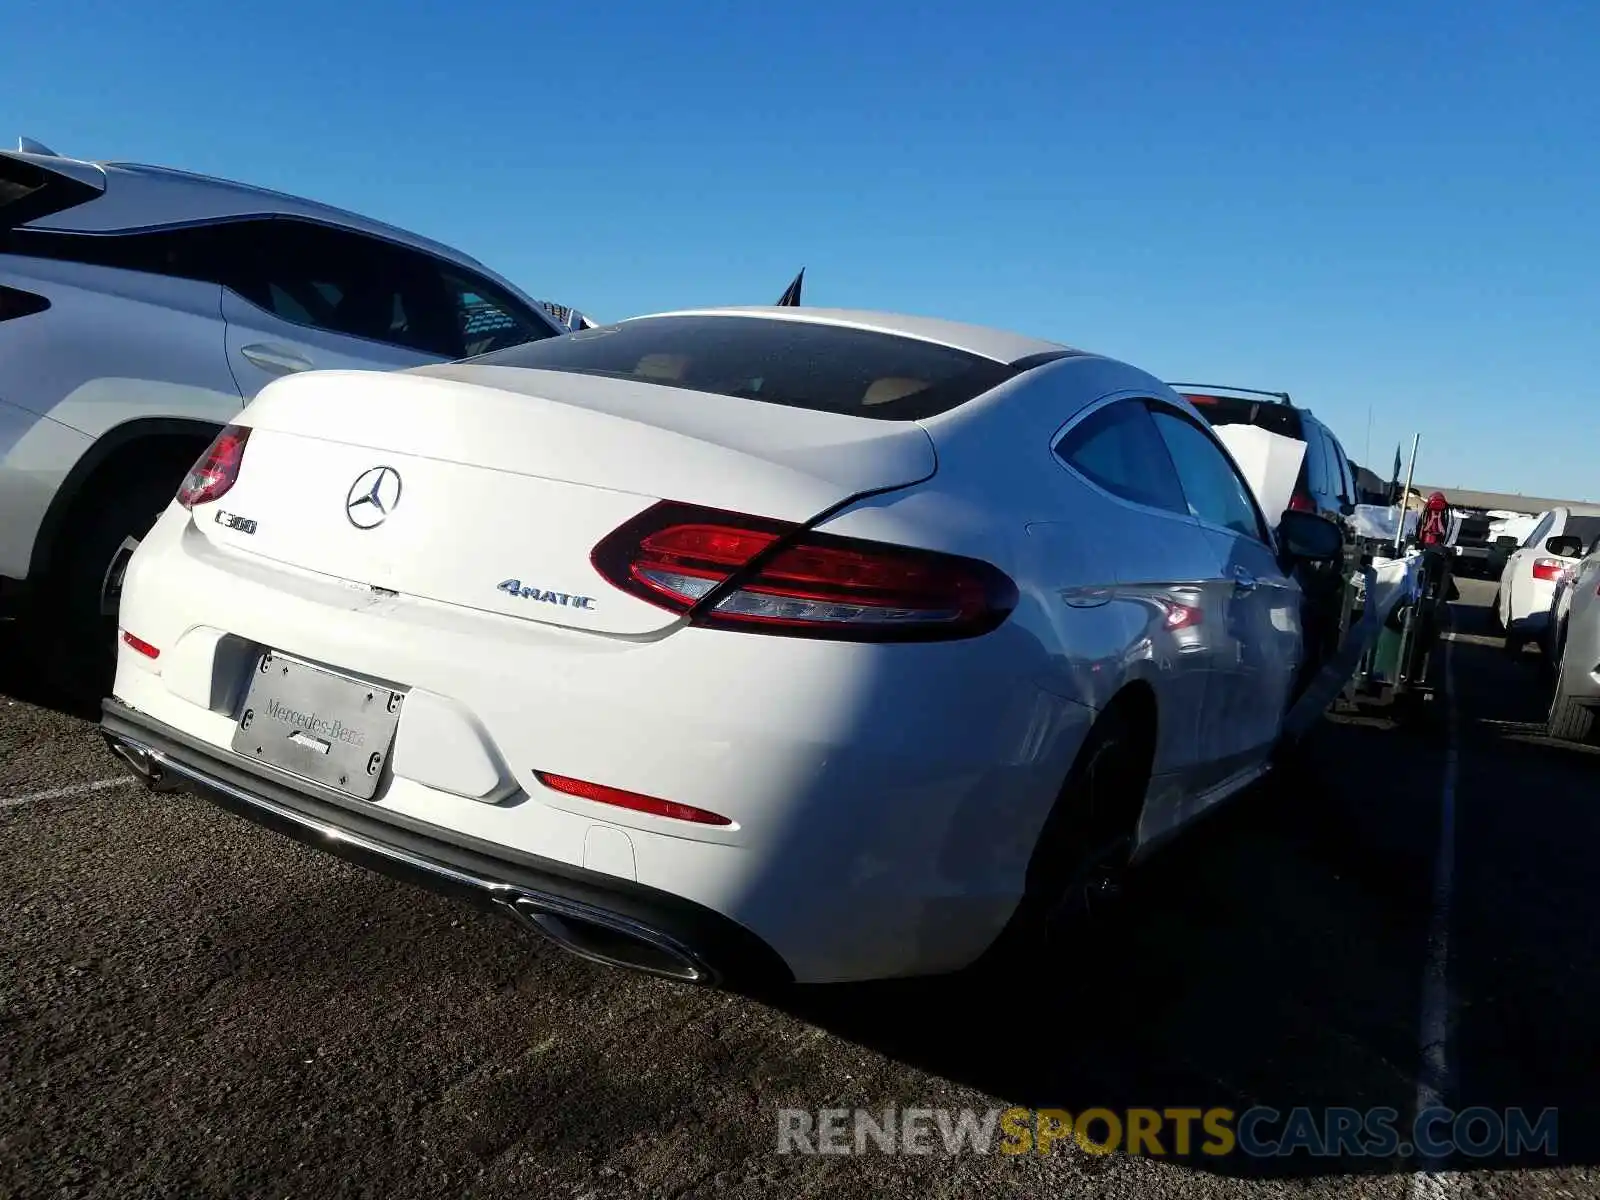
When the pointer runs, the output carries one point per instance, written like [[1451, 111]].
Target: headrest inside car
[[882, 391]]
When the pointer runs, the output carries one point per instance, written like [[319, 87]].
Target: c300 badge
[[234, 521], [515, 587]]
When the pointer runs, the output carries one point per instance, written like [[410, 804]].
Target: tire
[[1083, 852], [75, 648], [1570, 720], [1496, 625]]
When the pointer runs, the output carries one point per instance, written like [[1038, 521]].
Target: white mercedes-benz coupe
[[741, 646]]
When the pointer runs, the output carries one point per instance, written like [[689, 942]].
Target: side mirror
[[1308, 537], [1564, 545]]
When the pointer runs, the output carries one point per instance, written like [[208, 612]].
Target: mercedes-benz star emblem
[[372, 497]]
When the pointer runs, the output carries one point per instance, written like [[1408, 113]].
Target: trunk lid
[[485, 476]]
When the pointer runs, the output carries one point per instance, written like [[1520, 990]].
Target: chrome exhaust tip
[[142, 763], [618, 944]]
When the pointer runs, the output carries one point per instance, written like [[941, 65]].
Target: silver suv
[[140, 309]]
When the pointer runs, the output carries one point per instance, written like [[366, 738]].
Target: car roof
[[996, 344], [138, 196]]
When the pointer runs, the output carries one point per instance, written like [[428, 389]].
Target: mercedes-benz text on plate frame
[[323, 726], [372, 497]]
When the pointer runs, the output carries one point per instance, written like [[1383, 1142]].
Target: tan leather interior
[[882, 391], [661, 366]]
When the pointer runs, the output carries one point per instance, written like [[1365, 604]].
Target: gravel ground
[[191, 1006]]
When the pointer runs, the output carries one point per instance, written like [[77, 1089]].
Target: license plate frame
[[324, 726]]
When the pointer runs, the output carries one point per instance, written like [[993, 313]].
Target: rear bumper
[[596, 916]]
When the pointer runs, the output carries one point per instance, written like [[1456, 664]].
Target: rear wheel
[[75, 646], [1083, 853], [1570, 720]]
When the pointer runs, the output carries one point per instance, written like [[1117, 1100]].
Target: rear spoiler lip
[[67, 184]]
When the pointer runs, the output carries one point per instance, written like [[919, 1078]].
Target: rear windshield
[[796, 363], [1233, 410], [1585, 529]]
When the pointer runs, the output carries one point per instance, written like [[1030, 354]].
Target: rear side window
[[484, 318], [801, 364], [1118, 448], [341, 282], [317, 276], [1342, 476], [1317, 477], [1215, 491], [1585, 529], [1335, 458], [187, 253]]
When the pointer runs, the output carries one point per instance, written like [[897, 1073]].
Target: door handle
[[271, 358], [1243, 581]]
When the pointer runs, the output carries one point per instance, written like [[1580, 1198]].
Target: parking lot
[[191, 1006]]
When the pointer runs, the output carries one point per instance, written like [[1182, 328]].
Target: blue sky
[[1392, 209]]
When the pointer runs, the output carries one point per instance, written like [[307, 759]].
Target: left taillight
[[216, 470], [732, 571], [1549, 568]]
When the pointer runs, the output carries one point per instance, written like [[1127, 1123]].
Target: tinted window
[[1347, 483], [485, 318], [1213, 488], [316, 276], [1332, 479], [344, 283], [190, 253], [1316, 462], [1585, 529], [1118, 448], [797, 363]]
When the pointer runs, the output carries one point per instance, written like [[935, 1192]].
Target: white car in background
[[140, 309], [739, 646], [1558, 540]]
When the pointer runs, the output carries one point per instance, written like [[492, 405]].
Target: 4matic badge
[[514, 587]]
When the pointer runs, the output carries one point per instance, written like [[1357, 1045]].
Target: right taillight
[[1548, 568], [1300, 502], [216, 470], [731, 571], [16, 303]]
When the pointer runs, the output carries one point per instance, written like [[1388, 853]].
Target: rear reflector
[[1549, 568], [139, 644], [15, 303], [630, 800], [217, 469], [731, 571]]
